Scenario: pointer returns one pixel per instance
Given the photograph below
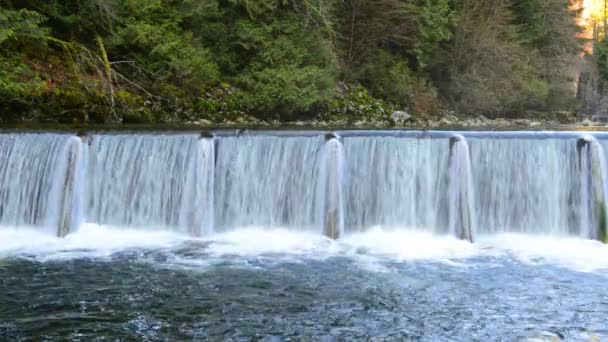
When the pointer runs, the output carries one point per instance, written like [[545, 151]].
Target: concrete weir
[[67, 213], [592, 168], [460, 193], [333, 164], [334, 183]]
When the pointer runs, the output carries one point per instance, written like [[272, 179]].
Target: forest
[[243, 61]]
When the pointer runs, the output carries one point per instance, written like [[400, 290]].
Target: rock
[[300, 123], [522, 122], [535, 124], [241, 120], [452, 118], [586, 122], [499, 122], [483, 118], [360, 123], [432, 124], [400, 117], [203, 122], [445, 122]]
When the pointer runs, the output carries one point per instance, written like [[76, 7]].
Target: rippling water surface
[[275, 285]]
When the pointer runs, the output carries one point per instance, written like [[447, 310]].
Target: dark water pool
[[138, 295]]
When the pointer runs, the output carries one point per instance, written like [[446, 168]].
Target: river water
[[441, 236], [279, 285]]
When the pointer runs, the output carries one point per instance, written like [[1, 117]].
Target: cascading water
[[151, 182], [396, 182], [460, 190], [33, 174], [267, 181], [525, 185], [433, 182]]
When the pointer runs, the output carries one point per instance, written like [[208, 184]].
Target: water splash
[[267, 181], [33, 171]]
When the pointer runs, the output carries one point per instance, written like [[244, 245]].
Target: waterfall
[[396, 182], [33, 172], [331, 191], [436, 182], [524, 184], [151, 182], [267, 181], [592, 163], [460, 190]]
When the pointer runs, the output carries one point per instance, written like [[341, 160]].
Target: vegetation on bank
[[246, 60]]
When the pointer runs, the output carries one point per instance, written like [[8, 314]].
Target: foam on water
[[574, 253], [252, 241], [91, 240], [374, 247], [409, 245]]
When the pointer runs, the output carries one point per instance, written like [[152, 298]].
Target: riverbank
[[397, 120]]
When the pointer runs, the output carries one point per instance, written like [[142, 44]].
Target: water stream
[[324, 236]]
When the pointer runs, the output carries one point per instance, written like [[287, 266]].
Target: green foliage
[[20, 28], [289, 90], [436, 26], [354, 104], [389, 77], [234, 60]]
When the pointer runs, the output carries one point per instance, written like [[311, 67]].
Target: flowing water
[[33, 171], [267, 181], [149, 182], [229, 238], [396, 182]]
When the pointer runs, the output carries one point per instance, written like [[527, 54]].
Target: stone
[[522, 122], [535, 124], [499, 122], [400, 117], [452, 118], [586, 122], [432, 124], [203, 122], [483, 118], [445, 122]]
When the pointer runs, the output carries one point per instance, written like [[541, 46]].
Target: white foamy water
[[570, 252], [90, 240], [373, 247]]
